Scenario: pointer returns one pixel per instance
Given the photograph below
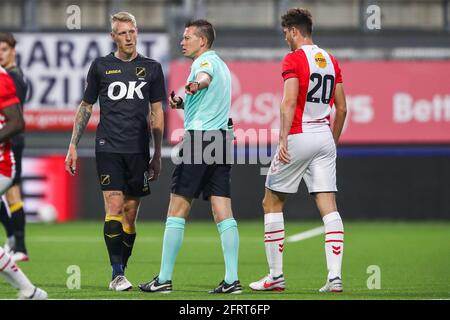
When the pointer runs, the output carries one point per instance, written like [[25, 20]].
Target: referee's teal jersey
[[209, 108]]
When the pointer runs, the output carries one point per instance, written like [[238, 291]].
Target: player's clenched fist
[[71, 160]]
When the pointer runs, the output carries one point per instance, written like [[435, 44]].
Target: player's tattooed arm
[[81, 120]]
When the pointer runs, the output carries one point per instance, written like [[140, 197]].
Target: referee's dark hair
[[8, 38], [299, 18], [205, 29]]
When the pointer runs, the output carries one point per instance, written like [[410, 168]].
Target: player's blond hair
[[123, 16]]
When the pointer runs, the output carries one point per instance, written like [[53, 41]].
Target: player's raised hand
[[192, 87], [283, 152], [71, 160], [176, 102], [154, 169]]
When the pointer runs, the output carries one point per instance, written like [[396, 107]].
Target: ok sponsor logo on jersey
[[118, 90]]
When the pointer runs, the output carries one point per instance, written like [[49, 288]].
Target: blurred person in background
[[307, 149], [15, 222], [130, 88], [11, 123]]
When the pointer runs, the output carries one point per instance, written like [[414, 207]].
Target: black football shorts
[[207, 177], [189, 180], [123, 172]]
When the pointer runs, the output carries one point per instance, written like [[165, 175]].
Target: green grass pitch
[[414, 259]]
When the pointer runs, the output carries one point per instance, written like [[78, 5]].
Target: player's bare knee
[[178, 210], [326, 202], [179, 206], [221, 215], [13, 195], [114, 207], [270, 206], [114, 202]]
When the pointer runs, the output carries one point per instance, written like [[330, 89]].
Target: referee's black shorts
[[123, 172], [199, 174]]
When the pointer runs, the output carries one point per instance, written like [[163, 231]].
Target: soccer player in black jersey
[[130, 89], [14, 225]]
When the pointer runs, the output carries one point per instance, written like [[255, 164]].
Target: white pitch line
[[306, 234]]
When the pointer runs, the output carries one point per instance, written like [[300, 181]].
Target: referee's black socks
[[112, 232]]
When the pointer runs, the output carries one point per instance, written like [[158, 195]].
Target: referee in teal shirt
[[206, 115]]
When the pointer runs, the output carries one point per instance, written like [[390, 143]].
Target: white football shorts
[[313, 157]]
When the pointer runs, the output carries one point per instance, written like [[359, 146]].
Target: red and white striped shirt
[[8, 98], [318, 73]]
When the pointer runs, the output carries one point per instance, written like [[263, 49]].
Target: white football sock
[[334, 243], [274, 242], [11, 272]]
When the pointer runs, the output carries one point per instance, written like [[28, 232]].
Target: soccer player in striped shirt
[[307, 149]]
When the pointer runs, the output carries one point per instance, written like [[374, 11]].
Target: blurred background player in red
[[307, 149], [15, 222], [11, 123]]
